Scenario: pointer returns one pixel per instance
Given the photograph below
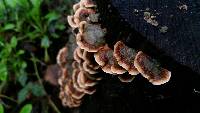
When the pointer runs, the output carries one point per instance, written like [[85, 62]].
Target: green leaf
[[23, 64], [23, 3], [23, 79], [11, 3], [1, 108], [60, 26], [36, 3], [2, 41], [51, 17], [20, 52], [2, 7], [45, 42], [54, 35], [9, 26], [37, 90], [26, 109], [3, 72], [22, 94], [13, 42]]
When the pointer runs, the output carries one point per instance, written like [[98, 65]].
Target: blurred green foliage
[[35, 21], [26, 109], [1, 108]]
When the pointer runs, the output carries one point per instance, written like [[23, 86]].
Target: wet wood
[[176, 32]]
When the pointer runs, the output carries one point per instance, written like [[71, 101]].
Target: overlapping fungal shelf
[[87, 53]]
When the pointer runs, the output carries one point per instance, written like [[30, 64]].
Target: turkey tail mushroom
[[125, 57], [76, 6], [61, 57], [126, 78], [87, 3], [91, 37], [71, 21], [104, 57], [150, 69], [87, 53]]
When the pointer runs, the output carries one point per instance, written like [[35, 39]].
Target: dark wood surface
[[180, 95], [181, 41]]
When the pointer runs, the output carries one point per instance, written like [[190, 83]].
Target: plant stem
[[46, 55], [52, 104], [3, 84], [9, 98], [36, 70]]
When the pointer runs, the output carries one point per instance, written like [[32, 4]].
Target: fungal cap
[[76, 6], [70, 90], [75, 65], [75, 78], [84, 81], [126, 78], [87, 3], [117, 69], [164, 79], [90, 37], [88, 57], [76, 56], [149, 69], [71, 21], [79, 52], [82, 14], [125, 57], [101, 57], [61, 57], [89, 69]]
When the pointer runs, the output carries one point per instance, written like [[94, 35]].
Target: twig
[[36, 70], [52, 104], [9, 98]]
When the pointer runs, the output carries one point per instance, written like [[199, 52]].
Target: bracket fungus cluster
[[87, 53]]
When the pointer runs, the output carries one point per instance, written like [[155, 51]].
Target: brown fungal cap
[[88, 57], [84, 81], [76, 6], [82, 14], [87, 3], [76, 56], [91, 37], [104, 57], [86, 84], [88, 68], [117, 69], [70, 90], [71, 21], [150, 69], [64, 77], [75, 78], [61, 57], [125, 57], [126, 78], [79, 52], [75, 65]]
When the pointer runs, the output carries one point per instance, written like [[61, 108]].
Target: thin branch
[[36, 70], [9, 98], [52, 104]]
